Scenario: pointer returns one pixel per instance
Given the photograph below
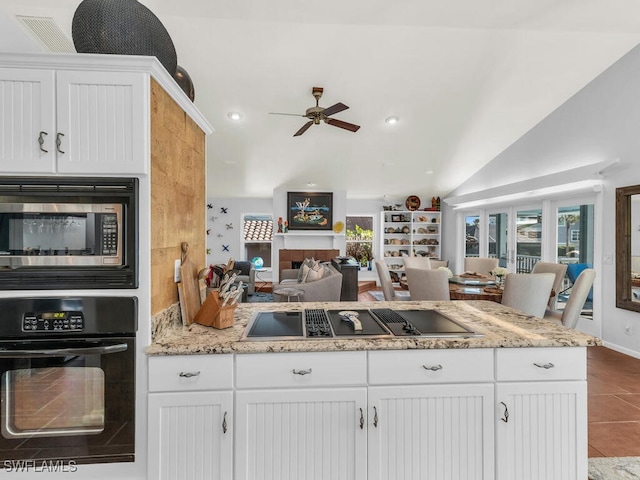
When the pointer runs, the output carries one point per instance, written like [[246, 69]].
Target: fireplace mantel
[[292, 239]]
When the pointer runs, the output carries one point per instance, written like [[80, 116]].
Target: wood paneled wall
[[178, 194]]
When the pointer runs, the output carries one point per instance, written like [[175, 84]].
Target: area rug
[[614, 468], [379, 296], [261, 297]]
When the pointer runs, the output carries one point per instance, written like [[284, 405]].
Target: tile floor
[[613, 385]]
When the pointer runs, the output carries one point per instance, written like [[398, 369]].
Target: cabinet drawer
[[430, 366], [190, 372], [521, 364], [311, 369]]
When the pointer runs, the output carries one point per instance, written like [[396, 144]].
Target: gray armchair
[[246, 274]]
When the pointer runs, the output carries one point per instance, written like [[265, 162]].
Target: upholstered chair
[[427, 284], [579, 293], [528, 292], [417, 262], [480, 265], [559, 270]]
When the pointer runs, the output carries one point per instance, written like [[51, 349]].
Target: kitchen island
[[509, 404]]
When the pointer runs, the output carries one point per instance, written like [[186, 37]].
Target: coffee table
[[289, 292]]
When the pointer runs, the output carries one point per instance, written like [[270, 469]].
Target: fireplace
[[293, 258]]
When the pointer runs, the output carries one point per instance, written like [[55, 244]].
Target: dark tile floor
[[613, 385]]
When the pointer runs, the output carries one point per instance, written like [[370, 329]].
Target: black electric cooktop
[[314, 324]]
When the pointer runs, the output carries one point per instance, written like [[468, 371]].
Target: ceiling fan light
[[235, 116], [391, 120]]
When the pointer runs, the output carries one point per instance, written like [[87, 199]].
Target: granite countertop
[[501, 326]]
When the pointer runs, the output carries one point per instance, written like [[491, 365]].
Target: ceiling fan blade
[[292, 114], [304, 128], [341, 124], [338, 107]]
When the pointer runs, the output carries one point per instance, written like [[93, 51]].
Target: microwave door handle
[[60, 352]]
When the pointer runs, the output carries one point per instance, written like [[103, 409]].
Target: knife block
[[213, 314]]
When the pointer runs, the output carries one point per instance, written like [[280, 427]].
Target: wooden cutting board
[[188, 288]]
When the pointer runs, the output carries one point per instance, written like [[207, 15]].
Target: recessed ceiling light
[[391, 120], [234, 116], [429, 172], [311, 184]]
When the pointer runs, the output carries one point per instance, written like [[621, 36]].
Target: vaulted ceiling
[[466, 78]]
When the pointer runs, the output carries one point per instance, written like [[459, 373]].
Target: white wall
[[599, 123]]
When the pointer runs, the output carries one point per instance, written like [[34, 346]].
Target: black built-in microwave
[[68, 233]]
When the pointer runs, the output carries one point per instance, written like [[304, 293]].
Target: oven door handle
[[63, 352]]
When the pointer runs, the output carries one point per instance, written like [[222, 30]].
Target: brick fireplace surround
[[293, 258]]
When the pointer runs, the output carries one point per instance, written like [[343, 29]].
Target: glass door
[[528, 239], [499, 239], [574, 246]]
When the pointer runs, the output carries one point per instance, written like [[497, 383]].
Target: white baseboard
[[618, 348]]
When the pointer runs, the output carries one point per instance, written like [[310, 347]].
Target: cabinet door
[[541, 431], [103, 122], [313, 434], [190, 436], [436, 432], [27, 114]]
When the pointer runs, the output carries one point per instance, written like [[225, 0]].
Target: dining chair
[[439, 263], [385, 282], [480, 265], [579, 293], [427, 284], [559, 270], [417, 262], [528, 292]]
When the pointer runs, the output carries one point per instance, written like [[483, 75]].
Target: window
[[359, 238], [575, 236], [258, 237]]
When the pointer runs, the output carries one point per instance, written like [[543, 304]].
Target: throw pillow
[[309, 263], [315, 273], [304, 273]]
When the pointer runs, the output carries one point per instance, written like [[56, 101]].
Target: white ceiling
[[466, 78]]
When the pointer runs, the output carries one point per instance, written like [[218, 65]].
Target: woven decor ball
[[122, 27]]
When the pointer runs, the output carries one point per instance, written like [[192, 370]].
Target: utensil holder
[[213, 314]]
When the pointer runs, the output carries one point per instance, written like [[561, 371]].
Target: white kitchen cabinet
[[190, 436], [309, 424], [541, 414], [190, 417], [301, 434], [434, 432], [431, 418], [73, 122]]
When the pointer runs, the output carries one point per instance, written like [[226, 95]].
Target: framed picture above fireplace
[[310, 210]]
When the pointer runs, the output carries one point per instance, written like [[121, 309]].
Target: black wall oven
[[67, 381], [60, 232]]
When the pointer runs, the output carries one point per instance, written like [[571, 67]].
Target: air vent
[[47, 33]]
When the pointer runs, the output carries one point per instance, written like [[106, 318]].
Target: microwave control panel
[[109, 234], [53, 322]]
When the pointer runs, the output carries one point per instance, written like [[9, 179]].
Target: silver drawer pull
[[546, 366], [189, 374], [433, 368], [301, 372]]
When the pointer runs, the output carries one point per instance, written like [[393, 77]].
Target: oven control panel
[[53, 322]]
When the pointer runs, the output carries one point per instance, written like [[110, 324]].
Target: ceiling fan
[[317, 114]]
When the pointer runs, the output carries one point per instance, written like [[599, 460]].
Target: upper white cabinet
[[73, 121]]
